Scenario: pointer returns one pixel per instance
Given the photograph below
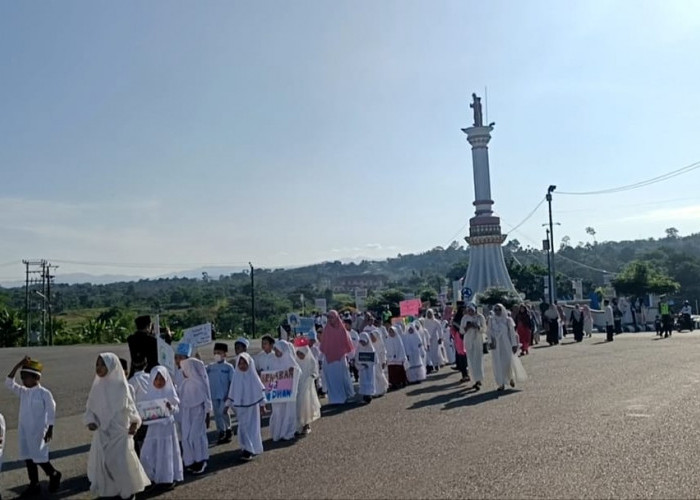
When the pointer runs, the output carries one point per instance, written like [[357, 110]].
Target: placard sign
[[198, 336], [280, 386]]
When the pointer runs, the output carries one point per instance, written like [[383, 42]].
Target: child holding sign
[[366, 364], [283, 422], [247, 394], [160, 454]]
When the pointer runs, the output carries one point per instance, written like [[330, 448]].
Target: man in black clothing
[[143, 346]]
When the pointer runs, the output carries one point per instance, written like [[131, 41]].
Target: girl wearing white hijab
[[160, 453], [448, 342], [246, 395], [113, 468], [308, 405], [283, 422], [502, 336], [195, 408], [415, 352], [381, 384], [396, 357], [472, 327], [433, 329], [366, 362]]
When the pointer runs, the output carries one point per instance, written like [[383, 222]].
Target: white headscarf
[[194, 389], [109, 395], [246, 388], [308, 365], [395, 350], [368, 347], [167, 392], [288, 358]]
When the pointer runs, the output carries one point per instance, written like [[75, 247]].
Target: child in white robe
[[113, 468], [37, 413], [308, 405], [415, 353], [160, 453], [366, 362], [195, 409], [247, 398], [381, 384], [283, 422]]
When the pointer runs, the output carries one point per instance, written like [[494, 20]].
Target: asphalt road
[[594, 420]]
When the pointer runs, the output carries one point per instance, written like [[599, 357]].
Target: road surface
[[594, 420]]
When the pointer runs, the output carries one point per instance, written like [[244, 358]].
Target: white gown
[[160, 452], [474, 345], [113, 468], [434, 331], [381, 383], [502, 332], [415, 353], [308, 405], [283, 422], [195, 403], [37, 410]]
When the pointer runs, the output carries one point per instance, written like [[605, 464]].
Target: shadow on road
[[479, 398], [432, 388], [331, 410], [55, 455], [69, 487], [442, 399]]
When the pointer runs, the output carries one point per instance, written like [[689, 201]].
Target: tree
[[458, 270], [496, 295], [640, 278], [672, 233], [11, 328], [528, 279], [591, 232], [565, 242]]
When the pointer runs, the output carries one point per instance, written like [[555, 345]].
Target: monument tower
[[487, 268]]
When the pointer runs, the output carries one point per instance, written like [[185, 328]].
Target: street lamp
[[553, 289]]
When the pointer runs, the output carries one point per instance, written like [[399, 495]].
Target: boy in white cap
[[37, 413], [241, 345]]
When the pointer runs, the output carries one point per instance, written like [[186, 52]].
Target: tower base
[[487, 268]]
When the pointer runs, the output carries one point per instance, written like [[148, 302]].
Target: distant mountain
[[213, 272]]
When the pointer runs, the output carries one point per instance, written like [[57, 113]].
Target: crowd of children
[[151, 428]]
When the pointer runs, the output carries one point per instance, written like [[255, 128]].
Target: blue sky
[[283, 133]]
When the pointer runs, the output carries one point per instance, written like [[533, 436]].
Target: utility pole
[[27, 305], [546, 246], [49, 279], [252, 297], [553, 288]]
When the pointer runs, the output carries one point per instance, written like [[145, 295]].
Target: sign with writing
[[321, 305], [198, 336], [153, 410], [166, 355], [306, 325], [396, 321], [280, 386], [410, 307], [365, 357], [360, 298], [456, 291]]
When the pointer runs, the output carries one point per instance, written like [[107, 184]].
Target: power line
[[534, 210], [149, 265], [637, 185]]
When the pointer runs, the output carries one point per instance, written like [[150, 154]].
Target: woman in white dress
[[433, 329], [283, 422], [113, 468], [503, 341]]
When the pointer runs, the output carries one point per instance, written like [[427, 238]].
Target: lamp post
[[553, 288], [546, 246], [252, 298]]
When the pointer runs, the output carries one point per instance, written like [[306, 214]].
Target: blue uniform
[[220, 376]]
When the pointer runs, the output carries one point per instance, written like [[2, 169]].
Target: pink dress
[[524, 334]]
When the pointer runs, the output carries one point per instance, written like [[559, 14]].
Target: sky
[[146, 137]]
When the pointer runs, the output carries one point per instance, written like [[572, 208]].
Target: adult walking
[[577, 323], [503, 342], [143, 346], [458, 341], [472, 327], [434, 329], [524, 326], [551, 317], [609, 321], [587, 321], [335, 346]]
